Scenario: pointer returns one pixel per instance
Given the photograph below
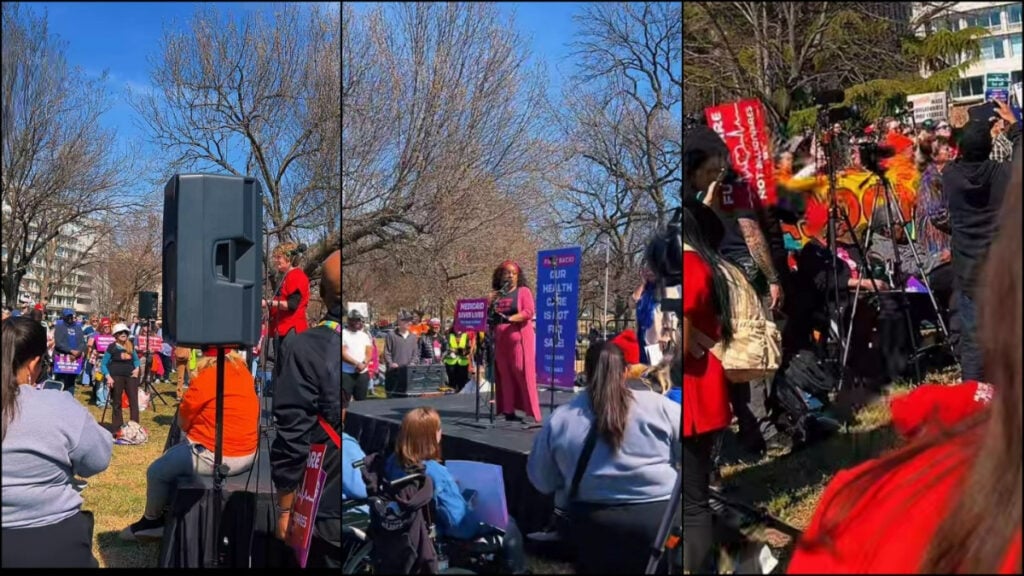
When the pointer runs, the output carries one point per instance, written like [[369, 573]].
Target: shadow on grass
[[164, 419], [810, 466], [117, 553]]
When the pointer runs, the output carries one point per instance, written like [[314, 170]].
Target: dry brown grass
[[117, 496]]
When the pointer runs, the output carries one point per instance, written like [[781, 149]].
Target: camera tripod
[[145, 381]]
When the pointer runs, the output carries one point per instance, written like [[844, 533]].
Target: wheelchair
[[356, 546], [455, 556]]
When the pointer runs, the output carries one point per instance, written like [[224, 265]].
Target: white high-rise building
[[56, 264], [1001, 51]]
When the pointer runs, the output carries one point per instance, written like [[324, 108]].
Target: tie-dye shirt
[[931, 206]]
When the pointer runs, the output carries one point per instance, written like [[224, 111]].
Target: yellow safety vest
[[459, 348], [193, 357]]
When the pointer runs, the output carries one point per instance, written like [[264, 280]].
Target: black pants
[[697, 521], [325, 545], [66, 544], [131, 386], [614, 539], [68, 380], [278, 364], [356, 384], [457, 376]]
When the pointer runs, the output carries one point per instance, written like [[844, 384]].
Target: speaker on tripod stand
[[147, 314]]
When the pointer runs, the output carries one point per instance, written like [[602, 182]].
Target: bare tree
[[631, 69], [132, 262], [67, 258], [461, 114], [59, 166], [256, 98]]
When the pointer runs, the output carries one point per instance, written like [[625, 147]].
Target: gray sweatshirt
[[643, 469], [403, 351], [51, 438]]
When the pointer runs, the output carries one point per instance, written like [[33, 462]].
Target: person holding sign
[[512, 305], [69, 346], [305, 456]]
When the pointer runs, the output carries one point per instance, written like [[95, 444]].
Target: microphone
[[506, 287]]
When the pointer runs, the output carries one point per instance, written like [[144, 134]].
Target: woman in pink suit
[[514, 343]]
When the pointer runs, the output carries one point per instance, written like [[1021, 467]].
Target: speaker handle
[[224, 253]]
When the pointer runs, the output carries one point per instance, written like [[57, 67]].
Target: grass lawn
[[789, 486], [117, 496]]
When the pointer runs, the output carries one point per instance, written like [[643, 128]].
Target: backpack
[[133, 434], [400, 529], [755, 351]]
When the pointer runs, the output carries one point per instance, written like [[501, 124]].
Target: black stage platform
[[375, 424]]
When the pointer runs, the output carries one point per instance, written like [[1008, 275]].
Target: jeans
[[971, 360], [750, 404], [182, 461], [102, 393], [68, 380]]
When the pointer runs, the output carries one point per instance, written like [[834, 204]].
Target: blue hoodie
[[352, 485], [453, 518]]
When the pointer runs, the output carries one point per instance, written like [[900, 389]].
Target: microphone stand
[[486, 357]]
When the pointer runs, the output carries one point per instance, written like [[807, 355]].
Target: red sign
[[307, 500], [155, 344], [742, 126]]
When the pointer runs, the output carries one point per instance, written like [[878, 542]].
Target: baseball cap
[[67, 312], [355, 315]]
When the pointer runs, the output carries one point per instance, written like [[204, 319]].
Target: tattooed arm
[[758, 246]]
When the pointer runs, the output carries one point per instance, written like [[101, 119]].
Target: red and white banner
[[155, 344], [742, 126]]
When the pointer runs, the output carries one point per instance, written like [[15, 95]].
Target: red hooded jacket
[[890, 526]]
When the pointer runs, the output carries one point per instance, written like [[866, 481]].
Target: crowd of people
[[958, 238], [609, 458], [51, 441]]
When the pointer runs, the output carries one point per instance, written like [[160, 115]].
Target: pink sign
[[307, 500], [103, 341], [471, 315]]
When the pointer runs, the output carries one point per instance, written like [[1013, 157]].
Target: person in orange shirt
[[197, 417]]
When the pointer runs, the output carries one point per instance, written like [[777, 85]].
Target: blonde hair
[[288, 250], [204, 362]]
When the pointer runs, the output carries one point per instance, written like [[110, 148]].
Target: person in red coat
[[287, 309], [706, 408], [949, 501]]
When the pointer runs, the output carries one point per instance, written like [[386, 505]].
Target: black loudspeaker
[[147, 305], [212, 260], [417, 380]]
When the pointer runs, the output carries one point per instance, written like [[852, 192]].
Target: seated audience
[[48, 438], [197, 417], [418, 446], [624, 490]]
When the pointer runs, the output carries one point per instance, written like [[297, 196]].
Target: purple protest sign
[[103, 341], [471, 315], [67, 364], [558, 297]]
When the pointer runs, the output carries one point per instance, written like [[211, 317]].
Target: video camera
[[872, 154]]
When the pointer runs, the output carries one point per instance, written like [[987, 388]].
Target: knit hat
[[630, 346], [976, 142]]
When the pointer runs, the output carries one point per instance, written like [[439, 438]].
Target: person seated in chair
[[197, 417], [352, 486], [627, 481], [419, 445]]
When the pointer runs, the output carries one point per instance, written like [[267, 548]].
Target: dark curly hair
[[496, 276]]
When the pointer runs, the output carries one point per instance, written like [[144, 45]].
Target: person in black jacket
[[308, 411], [974, 187], [68, 339]]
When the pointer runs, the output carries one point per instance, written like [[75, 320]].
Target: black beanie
[[976, 141], [701, 143]]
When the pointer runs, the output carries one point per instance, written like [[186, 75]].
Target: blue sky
[[122, 38]]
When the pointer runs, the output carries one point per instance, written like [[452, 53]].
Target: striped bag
[[755, 351]]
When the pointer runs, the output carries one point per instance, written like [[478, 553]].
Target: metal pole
[[607, 264]]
